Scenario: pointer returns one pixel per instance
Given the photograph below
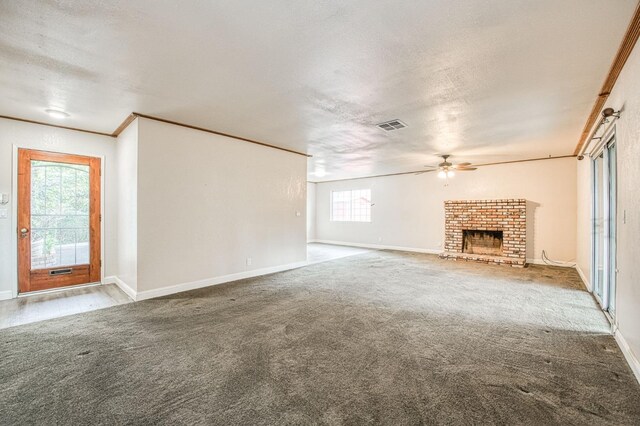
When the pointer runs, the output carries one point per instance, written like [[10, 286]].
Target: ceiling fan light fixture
[[446, 170]]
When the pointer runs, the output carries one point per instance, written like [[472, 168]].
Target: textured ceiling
[[486, 81]]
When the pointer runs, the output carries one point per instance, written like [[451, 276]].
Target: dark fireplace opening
[[482, 242]]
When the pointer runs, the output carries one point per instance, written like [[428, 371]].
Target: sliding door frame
[[607, 275]]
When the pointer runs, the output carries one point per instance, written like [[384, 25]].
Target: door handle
[[23, 232]]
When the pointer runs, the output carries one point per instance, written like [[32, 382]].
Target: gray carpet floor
[[379, 338]]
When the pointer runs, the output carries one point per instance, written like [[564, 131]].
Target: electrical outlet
[[4, 213], [248, 261], [379, 239]]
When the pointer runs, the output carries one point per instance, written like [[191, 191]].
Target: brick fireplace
[[489, 231]]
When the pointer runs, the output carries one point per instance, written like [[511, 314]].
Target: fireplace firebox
[[476, 241]]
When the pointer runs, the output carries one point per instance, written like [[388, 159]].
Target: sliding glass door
[[604, 226], [598, 226], [611, 227]]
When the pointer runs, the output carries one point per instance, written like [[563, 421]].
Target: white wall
[[583, 222], [311, 211], [626, 96], [127, 163], [46, 138], [408, 210], [206, 203]]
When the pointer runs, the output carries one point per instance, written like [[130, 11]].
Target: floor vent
[[391, 125]]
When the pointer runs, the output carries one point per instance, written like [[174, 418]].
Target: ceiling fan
[[447, 169]]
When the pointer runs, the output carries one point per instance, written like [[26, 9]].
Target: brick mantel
[[508, 216]]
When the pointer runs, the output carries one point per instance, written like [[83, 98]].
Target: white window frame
[[351, 206]]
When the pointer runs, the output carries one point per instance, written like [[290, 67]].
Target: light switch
[[4, 213]]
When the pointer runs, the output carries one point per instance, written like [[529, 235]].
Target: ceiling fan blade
[[466, 169], [419, 173], [462, 164]]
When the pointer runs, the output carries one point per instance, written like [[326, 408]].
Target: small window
[[351, 206]]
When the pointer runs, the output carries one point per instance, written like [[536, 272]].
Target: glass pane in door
[[59, 214], [598, 225], [611, 163]]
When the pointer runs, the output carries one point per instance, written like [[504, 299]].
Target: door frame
[[609, 139], [14, 208]]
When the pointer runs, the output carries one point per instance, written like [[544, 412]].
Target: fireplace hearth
[[489, 231]]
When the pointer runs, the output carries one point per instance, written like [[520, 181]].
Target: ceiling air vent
[[391, 125]]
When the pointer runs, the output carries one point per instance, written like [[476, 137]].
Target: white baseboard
[[424, 250], [109, 280], [562, 264], [584, 278], [380, 247], [126, 288], [178, 288], [628, 354], [6, 294]]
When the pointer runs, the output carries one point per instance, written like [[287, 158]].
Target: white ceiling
[[487, 80]]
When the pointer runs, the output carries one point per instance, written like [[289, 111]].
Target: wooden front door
[[58, 220]]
